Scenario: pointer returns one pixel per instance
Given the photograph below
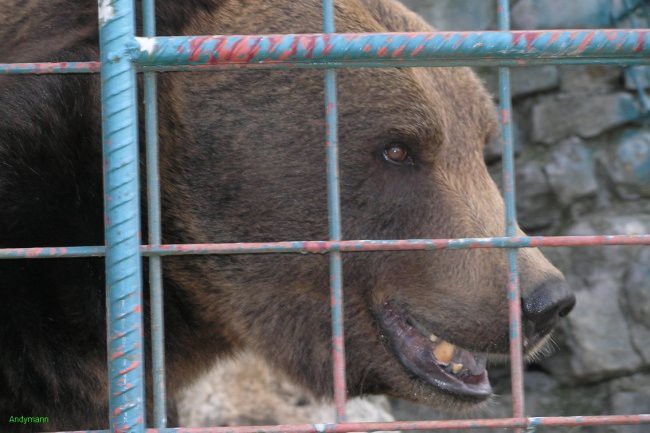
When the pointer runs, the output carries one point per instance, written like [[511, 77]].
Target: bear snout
[[543, 306]]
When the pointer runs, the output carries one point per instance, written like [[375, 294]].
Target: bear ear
[[173, 16]]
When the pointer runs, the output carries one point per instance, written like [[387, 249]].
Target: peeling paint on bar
[[323, 247], [334, 225], [156, 295], [387, 63], [514, 294], [106, 11], [147, 44], [396, 49], [519, 48], [124, 322], [468, 424], [49, 68]]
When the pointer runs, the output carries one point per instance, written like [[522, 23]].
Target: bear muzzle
[[439, 363]]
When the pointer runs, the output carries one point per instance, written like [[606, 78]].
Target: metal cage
[[122, 55]]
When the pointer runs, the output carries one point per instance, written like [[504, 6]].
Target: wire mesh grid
[[122, 54]]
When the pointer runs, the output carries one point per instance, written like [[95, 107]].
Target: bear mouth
[[439, 363]]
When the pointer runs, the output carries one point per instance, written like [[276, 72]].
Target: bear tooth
[[433, 338], [456, 367], [444, 351]]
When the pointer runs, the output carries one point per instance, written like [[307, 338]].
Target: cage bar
[[49, 68], [122, 220], [350, 246], [530, 423], [514, 293], [334, 224], [154, 229], [516, 48]]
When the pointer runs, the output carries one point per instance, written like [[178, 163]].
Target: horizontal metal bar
[[321, 247], [388, 63], [532, 422], [396, 49], [518, 48], [94, 67], [49, 68]]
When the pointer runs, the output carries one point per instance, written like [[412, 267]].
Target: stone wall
[[583, 167]]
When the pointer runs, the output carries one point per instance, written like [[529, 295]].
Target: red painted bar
[[50, 68], [531, 422], [613, 46], [334, 226], [322, 247], [509, 197]]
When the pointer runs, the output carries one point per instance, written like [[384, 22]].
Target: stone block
[[636, 289], [571, 171], [534, 79], [558, 14], [628, 164], [631, 395], [601, 343], [536, 205], [604, 334], [560, 117], [590, 78], [455, 14], [523, 81], [642, 74]]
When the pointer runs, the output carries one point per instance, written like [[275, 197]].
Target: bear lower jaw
[[448, 368]]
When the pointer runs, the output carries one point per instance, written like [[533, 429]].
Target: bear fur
[[242, 160]]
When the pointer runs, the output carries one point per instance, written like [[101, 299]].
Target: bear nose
[[547, 303]]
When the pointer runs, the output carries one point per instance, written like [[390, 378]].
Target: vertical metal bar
[[334, 208], [514, 295], [154, 229], [122, 218]]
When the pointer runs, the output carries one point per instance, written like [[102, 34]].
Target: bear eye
[[397, 153]]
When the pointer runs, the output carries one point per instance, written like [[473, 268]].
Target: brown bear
[[242, 160]]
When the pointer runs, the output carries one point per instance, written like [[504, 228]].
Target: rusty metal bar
[[334, 223], [125, 342], [468, 424], [154, 230], [397, 49], [516, 48], [50, 68], [349, 246], [389, 63], [508, 158]]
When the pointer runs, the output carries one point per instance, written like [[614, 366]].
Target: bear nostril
[[548, 302], [567, 308]]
